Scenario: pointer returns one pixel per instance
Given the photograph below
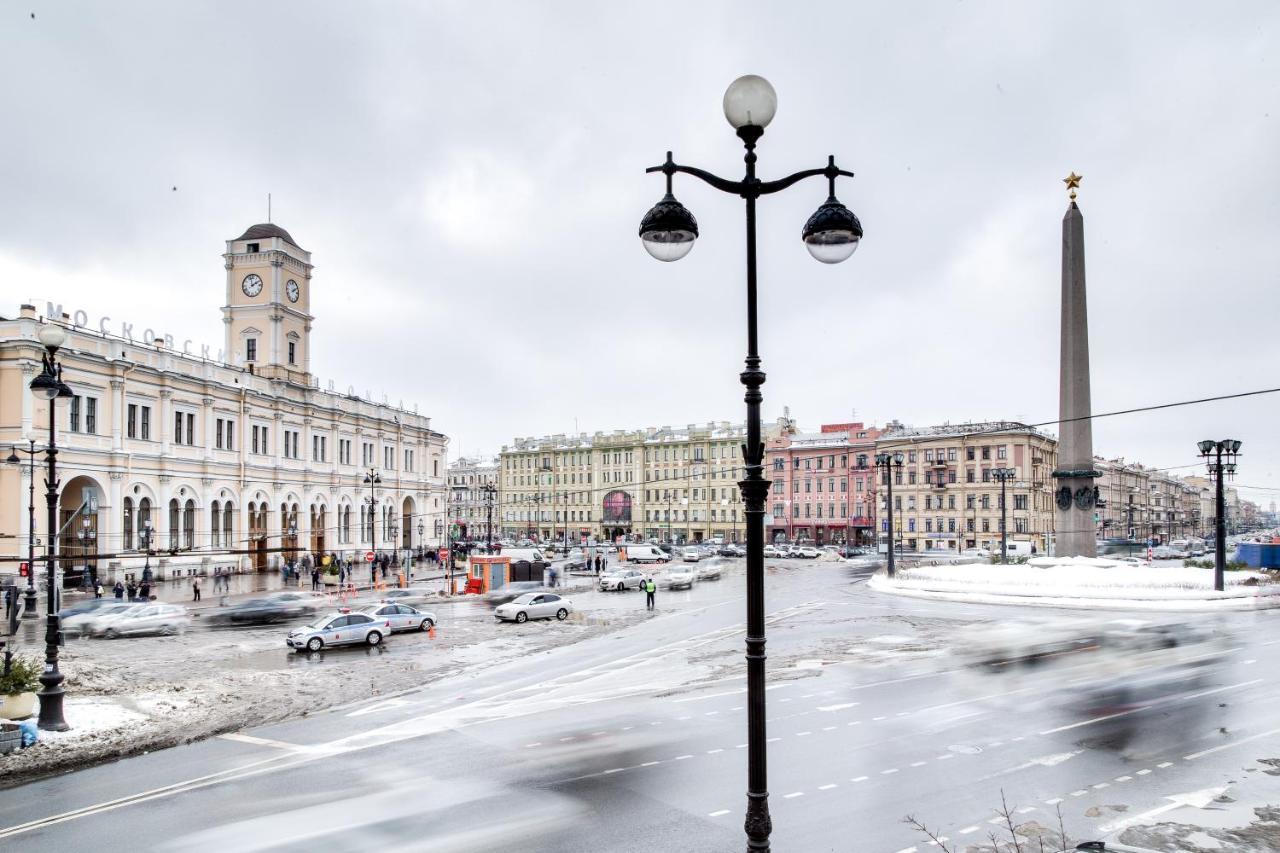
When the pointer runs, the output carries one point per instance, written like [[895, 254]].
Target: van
[[1013, 549], [643, 554]]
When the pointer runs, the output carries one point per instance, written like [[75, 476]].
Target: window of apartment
[[986, 525], [224, 434], [73, 413], [928, 501], [293, 350], [951, 475], [318, 447], [911, 525], [911, 478], [928, 525], [144, 425], [290, 443], [986, 501], [986, 475], [260, 443], [88, 407], [951, 501], [844, 486], [969, 475], [184, 428], [951, 454], [408, 461], [911, 456], [968, 453], [969, 501], [1019, 501], [1002, 452], [251, 349], [928, 456], [986, 452], [951, 525]]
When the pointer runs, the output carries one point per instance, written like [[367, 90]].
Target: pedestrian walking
[[598, 564], [97, 590], [118, 589], [315, 579], [373, 573], [144, 591], [132, 590], [195, 589], [649, 589]]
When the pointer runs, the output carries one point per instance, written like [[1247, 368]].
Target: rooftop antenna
[[268, 207]]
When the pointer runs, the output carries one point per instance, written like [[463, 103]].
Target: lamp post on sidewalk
[[1004, 475], [1213, 451], [891, 464], [29, 596], [489, 490], [49, 386], [831, 235], [372, 479]]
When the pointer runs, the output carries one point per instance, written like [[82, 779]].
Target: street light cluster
[[1004, 475], [889, 462], [1220, 458], [831, 235]]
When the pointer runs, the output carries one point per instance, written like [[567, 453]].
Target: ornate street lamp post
[[831, 235], [489, 490], [50, 387], [890, 463], [372, 479], [1213, 453], [1004, 475]]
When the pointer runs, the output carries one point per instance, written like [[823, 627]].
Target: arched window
[[174, 521], [228, 526], [215, 524], [189, 525], [126, 523]]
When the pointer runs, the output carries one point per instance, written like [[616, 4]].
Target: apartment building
[[823, 485]]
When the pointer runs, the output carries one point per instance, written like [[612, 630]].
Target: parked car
[[709, 571], [401, 617], [772, 551], [142, 619], [807, 552], [620, 580], [691, 554], [339, 629], [727, 551], [534, 605], [682, 577], [850, 551]]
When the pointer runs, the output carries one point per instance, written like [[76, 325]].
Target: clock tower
[[267, 315]]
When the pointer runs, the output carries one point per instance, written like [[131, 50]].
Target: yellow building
[[945, 497]]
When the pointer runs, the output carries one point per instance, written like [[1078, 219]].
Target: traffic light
[[24, 569]]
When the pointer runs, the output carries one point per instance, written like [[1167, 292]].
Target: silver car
[[339, 629], [402, 617], [534, 605], [410, 595], [140, 619], [621, 580]]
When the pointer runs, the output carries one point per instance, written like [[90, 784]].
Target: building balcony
[[938, 463]]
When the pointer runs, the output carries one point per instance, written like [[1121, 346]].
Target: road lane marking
[[828, 728], [968, 829], [683, 757], [839, 707], [802, 734], [1026, 809], [827, 787], [718, 813], [650, 763], [741, 746], [793, 795], [772, 739], [1101, 785], [919, 763], [532, 745], [262, 741], [1163, 764], [1123, 778], [887, 772], [1053, 802], [949, 755], [714, 751], [1193, 756], [1079, 793], [1143, 772], [859, 779], [615, 770]]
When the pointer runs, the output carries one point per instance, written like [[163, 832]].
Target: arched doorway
[[616, 515], [406, 523], [258, 535], [319, 517], [79, 507]]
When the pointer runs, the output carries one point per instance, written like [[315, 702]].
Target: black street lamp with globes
[[1219, 470], [831, 235], [49, 386]]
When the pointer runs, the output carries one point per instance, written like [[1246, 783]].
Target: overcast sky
[[470, 177]]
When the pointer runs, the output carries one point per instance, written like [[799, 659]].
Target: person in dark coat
[[144, 591], [119, 591], [132, 590]]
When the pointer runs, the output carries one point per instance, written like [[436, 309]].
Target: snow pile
[[1079, 581]]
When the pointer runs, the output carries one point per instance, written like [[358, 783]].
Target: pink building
[[823, 485]]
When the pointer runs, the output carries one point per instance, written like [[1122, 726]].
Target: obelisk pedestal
[[1074, 492]]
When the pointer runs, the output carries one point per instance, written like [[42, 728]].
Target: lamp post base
[[29, 604], [51, 719]]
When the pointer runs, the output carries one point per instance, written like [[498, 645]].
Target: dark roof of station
[[263, 230]]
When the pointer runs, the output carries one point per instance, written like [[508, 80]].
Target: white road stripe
[[793, 795], [826, 787], [859, 779], [839, 707], [968, 829], [718, 813], [1193, 756], [714, 751]]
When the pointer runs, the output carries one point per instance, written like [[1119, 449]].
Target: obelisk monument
[[1074, 492]]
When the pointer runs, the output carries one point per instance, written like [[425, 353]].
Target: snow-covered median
[[1084, 582]]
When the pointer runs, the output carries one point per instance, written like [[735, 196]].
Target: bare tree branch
[[927, 831], [1008, 819]]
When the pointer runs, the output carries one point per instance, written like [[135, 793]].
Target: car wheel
[[426, 625], [374, 638], [111, 633], [522, 617], [562, 614], [165, 630], [315, 644]]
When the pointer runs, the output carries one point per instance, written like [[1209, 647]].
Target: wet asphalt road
[[639, 736]]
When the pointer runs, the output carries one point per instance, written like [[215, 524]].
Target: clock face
[[291, 290], [252, 285]]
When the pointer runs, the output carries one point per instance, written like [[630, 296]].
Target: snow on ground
[[1083, 582]]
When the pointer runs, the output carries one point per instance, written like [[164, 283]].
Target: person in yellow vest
[[649, 589]]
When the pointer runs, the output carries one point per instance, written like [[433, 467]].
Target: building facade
[[677, 485], [470, 504], [823, 486], [1146, 505], [944, 495], [226, 463]]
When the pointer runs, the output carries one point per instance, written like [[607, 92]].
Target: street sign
[[368, 556]]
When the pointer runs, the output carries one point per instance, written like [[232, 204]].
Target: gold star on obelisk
[[1072, 181]]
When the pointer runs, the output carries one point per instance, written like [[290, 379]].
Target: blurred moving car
[[140, 619], [401, 617], [620, 580], [258, 611], [85, 608], [338, 629], [682, 577], [710, 571], [78, 623], [534, 605], [411, 594], [511, 591], [691, 554]]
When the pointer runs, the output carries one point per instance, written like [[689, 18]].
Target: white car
[[153, 618], [534, 605], [338, 629], [682, 577], [691, 554], [771, 551], [401, 617], [621, 580], [807, 552]]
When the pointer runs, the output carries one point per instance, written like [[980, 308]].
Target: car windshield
[[525, 599]]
